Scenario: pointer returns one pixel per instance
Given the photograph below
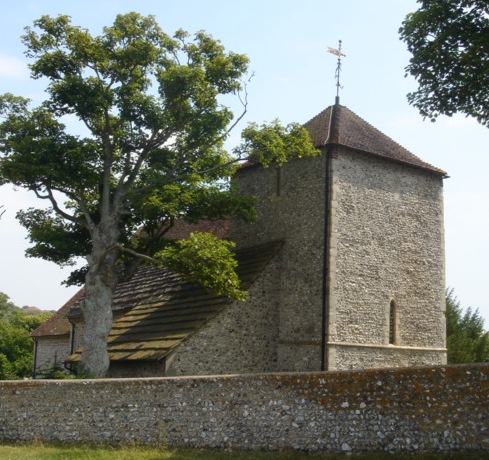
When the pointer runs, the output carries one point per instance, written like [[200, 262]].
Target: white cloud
[[12, 67]]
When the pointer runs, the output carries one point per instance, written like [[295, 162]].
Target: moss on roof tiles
[[171, 308]]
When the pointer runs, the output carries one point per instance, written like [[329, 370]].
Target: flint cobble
[[410, 409]]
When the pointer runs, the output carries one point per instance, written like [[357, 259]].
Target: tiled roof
[[125, 295], [58, 324], [181, 229], [338, 125], [165, 309]]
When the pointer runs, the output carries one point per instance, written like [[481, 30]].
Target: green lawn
[[39, 451]]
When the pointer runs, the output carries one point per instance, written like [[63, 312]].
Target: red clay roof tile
[[338, 125]]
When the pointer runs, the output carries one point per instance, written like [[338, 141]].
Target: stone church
[[344, 270]]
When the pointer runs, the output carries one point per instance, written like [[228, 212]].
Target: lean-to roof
[[165, 309]]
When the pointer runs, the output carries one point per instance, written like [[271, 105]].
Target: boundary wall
[[441, 408]]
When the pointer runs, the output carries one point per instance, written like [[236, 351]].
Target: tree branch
[[217, 168], [107, 166], [89, 222], [131, 252], [55, 205], [157, 139], [244, 103]]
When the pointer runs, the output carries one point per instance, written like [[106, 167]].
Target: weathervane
[[337, 52]]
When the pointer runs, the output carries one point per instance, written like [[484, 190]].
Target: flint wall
[[438, 408]]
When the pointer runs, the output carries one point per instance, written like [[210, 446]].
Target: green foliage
[[16, 345], [154, 153], [30, 321], [204, 258], [449, 43], [6, 369], [467, 341], [53, 372], [7, 308], [273, 143]]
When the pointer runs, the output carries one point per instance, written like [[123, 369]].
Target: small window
[[392, 323]]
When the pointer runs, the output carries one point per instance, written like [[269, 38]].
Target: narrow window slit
[[392, 323]]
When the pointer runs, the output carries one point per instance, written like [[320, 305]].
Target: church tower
[[360, 276]]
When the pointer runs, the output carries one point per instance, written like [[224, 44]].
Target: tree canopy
[[449, 42], [467, 341], [151, 152]]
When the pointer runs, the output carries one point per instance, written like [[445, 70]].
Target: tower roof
[[338, 125]]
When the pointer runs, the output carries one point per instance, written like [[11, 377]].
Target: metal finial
[[337, 52]]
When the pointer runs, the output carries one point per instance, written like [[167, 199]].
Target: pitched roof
[[338, 125], [126, 295], [165, 309], [58, 324]]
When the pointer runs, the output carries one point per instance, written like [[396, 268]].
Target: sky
[[293, 80]]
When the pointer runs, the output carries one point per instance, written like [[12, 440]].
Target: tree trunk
[[100, 284], [97, 313]]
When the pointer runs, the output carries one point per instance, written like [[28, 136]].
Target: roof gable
[[58, 324], [338, 125]]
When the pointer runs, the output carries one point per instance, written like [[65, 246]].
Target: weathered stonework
[[404, 409], [52, 352], [387, 244], [291, 204], [239, 340]]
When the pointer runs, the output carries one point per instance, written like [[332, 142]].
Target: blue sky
[[286, 42]]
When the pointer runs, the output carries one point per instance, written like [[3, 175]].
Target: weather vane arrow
[[340, 54], [336, 52]]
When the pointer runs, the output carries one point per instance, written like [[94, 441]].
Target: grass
[[40, 451]]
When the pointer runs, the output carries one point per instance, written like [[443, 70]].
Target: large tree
[[151, 151], [467, 340], [449, 42]]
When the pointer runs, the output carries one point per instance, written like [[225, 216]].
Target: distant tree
[[449, 42], [7, 308], [29, 321], [15, 351], [154, 153], [467, 341], [16, 345]]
